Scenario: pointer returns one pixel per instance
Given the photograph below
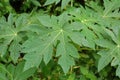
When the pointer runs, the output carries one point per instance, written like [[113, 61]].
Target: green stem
[[71, 3]]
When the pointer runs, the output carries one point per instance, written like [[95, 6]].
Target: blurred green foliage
[[86, 65]]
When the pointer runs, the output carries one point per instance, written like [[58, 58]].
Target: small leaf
[[84, 70], [35, 2], [64, 3], [49, 2], [71, 77]]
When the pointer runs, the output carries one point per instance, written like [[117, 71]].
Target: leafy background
[[59, 40]]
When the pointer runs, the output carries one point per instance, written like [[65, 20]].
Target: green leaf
[[7, 33], [82, 77], [32, 60], [111, 34], [105, 59], [10, 35], [71, 77], [105, 43], [18, 73], [84, 70], [88, 34], [48, 21], [15, 50], [3, 72], [118, 71], [66, 62], [64, 3], [89, 30], [2, 76], [109, 7], [42, 45], [112, 52], [91, 76], [115, 62], [49, 2], [35, 2], [11, 69], [3, 50]]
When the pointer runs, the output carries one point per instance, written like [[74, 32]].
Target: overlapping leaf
[[7, 33], [111, 8], [59, 32], [89, 30], [112, 50], [63, 5], [42, 37], [9, 36]]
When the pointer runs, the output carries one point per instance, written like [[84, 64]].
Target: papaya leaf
[[42, 46]]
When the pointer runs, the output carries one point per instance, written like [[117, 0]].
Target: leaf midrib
[[51, 41]]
